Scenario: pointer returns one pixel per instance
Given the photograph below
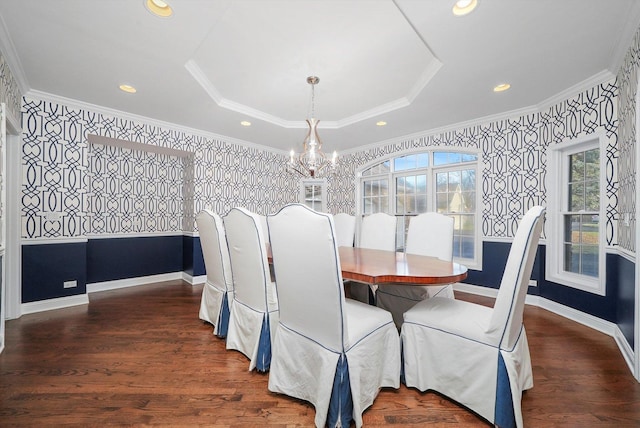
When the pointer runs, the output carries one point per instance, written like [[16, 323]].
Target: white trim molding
[[51, 304], [132, 282]]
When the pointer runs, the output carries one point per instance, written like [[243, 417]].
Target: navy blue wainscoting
[[616, 306], [46, 267], [192, 259], [122, 258], [626, 277]]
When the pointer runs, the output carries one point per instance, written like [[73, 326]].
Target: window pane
[[454, 181], [404, 163], [592, 196], [441, 182], [576, 167], [421, 184], [440, 158], [410, 204], [423, 160], [441, 202], [367, 189], [469, 158], [383, 185], [589, 260], [410, 183], [572, 258], [469, 179], [576, 197], [421, 204]]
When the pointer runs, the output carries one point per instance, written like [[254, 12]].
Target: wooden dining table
[[390, 267]]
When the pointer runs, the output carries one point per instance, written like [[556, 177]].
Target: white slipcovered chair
[[345, 229], [377, 232], [477, 355], [254, 313], [217, 293], [333, 352], [429, 234]]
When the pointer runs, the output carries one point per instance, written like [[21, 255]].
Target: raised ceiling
[[410, 63]]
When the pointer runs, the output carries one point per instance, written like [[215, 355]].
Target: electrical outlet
[[533, 283], [70, 284]]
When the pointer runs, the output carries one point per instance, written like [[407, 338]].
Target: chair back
[[213, 241], [431, 234], [263, 225], [249, 262], [345, 229], [309, 278], [378, 232], [506, 321]]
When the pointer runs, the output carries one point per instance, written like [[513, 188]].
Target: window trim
[[322, 182], [558, 172], [476, 263]]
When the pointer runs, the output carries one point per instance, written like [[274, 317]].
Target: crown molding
[[44, 96], [574, 90], [13, 60]]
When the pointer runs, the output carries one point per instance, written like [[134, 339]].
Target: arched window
[[441, 181]]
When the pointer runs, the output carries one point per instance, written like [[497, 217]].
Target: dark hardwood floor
[[140, 356]]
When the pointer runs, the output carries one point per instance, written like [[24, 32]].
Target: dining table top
[[390, 267]]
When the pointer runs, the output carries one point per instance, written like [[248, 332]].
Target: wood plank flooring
[[140, 356]]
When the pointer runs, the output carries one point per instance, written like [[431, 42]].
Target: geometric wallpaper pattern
[[71, 188], [132, 191], [9, 91], [514, 158], [627, 169]]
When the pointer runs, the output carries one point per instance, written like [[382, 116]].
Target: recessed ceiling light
[[501, 87], [128, 88], [462, 7], [381, 123], [245, 123], [159, 8]]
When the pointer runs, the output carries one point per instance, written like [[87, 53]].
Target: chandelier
[[312, 160]]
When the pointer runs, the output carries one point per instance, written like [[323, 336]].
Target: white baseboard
[[50, 304], [194, 280], [606, 327], [132, 282]]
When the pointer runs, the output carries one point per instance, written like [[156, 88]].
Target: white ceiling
[[411, 63]]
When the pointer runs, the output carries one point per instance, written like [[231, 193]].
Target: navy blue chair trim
[[223, 318], [341, 403], [264, 346], [504, 416]]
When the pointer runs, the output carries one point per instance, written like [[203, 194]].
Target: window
[[408, 185], [313, 194], [575, 253]]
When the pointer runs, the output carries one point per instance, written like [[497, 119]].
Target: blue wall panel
[[192, 259], [495, 258], [121, 258], [626, 297], [46, 267]]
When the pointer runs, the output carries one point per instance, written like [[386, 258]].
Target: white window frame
[[431, 170], [558, 172], [322, 182]]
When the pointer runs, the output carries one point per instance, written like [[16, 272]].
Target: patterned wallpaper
[[628, 83], [9, 91], [72, 188], [514, 158]]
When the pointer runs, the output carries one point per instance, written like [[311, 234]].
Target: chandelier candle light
[[312, 160]]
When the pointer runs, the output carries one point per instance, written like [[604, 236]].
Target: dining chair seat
[[477, 355]]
